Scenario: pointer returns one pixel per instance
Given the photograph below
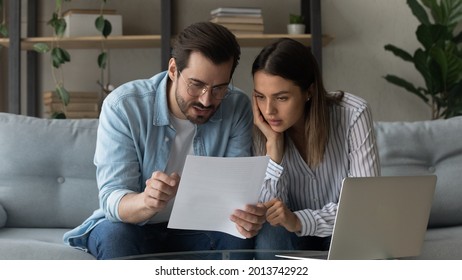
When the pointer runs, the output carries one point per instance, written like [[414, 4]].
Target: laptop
[[379, 218]]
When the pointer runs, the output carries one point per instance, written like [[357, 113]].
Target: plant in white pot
[[296, 24]]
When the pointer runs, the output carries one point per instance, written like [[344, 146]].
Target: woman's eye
[[259, 96]]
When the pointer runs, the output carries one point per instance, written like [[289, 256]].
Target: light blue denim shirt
[[135, 137]]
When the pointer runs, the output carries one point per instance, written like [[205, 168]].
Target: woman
[[314, 139]]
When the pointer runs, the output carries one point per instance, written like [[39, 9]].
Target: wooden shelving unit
[[311, 9], [94, 42], [152, 41]]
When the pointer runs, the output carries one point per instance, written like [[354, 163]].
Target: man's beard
[[183, 105]]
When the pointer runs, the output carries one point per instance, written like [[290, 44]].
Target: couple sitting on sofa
[[148, 127]]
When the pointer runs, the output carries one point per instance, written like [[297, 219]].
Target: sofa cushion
[[3, 216], [427, 147], [47, 175]]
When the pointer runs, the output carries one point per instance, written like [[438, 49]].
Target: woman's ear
[[172, 69], [311, 91]]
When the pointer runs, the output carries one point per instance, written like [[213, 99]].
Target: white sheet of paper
[[211, 188]]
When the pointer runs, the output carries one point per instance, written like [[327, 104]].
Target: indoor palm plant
[[439, 60]]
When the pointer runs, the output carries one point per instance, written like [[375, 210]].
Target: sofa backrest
[[427, 147], [47, 175]]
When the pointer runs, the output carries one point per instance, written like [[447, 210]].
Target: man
[[146, 130]]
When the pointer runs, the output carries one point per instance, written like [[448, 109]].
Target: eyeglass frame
[[204, 88]]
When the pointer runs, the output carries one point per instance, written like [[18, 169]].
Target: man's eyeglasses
[[196, 89]]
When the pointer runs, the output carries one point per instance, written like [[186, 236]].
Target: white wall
[[354, 61]]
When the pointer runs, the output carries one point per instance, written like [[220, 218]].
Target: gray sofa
[[430, 147], [48, 185]]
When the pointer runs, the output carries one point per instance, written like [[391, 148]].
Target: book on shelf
[[86, 95], [246, 32], [243, 27], [82, 115], [71, 107], [235, 10], [81, 104], [237, 19], [74, 115]]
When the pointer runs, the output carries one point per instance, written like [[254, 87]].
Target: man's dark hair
[[212, 40]]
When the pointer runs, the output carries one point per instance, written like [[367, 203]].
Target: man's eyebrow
[[202, 82]]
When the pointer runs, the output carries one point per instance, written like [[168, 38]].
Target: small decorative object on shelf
[[296, 24], [239, 20], [81, 22]]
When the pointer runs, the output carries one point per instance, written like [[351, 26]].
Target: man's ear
[[172, 69]]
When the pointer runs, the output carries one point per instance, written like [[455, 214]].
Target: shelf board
[[93, 42], [261, 40], [153, 41]]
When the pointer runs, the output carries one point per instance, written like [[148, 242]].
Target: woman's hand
[[274, 140], [277, 214]]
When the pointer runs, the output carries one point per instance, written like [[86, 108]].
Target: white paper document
[[211, 188]]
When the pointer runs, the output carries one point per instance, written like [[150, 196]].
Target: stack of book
[[239, 20], [82, 105]]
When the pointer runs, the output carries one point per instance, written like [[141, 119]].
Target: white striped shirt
[[313, 194]]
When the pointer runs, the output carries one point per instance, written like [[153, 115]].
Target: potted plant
[[3, 28], [296, 24], [439, 61]]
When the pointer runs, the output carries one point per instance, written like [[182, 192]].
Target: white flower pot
[[296, 28]]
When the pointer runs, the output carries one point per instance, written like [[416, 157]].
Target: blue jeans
[[278, 238], [109, 240]]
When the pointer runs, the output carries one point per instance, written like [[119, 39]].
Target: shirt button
[[166, 139], [60, 180]]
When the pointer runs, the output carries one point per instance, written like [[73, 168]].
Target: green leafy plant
[[105, 28], [296, 19], [439, 61], [58, 55], [3, 28]]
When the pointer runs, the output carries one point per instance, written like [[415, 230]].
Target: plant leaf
[[63, 94], [103, 25], [421, 60], [418, 11], [102, 60], [107, 28], [3, 30], [41, 47], [454, 10], [58, 5], [406, 85], [59, 56], [399, 52], [458, 38], [439, 56], [99, 23], [60, 27], [429, 35], [58, 115]]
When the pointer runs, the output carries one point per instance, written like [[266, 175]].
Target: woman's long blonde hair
[[293, 61]]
